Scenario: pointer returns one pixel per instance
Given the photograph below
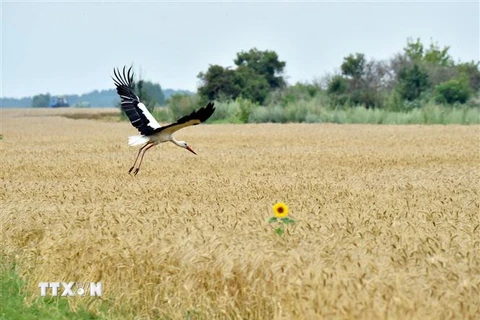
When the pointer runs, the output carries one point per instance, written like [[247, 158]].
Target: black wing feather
[[201, 114], [129, 101]]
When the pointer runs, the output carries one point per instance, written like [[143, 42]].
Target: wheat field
[[387, 218]]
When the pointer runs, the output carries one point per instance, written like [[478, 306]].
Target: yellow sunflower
[[280, 210]]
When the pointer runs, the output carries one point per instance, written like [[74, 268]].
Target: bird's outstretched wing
[[192, 119], [135, 110]]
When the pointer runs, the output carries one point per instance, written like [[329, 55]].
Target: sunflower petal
[[280, 210]]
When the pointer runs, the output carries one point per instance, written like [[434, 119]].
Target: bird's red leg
[[141, 158], [138, 154]]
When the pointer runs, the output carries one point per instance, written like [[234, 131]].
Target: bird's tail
[[137, 140]]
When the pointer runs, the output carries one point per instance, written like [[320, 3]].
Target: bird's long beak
[[190, 149]]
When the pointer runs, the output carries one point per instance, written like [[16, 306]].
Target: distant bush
[[296, 112], [453, 91], [292, 94], [259, 115], [312, 118], [163, 115], [394, 102], [41, 100], [303, 104], [226, 110], [245, 108], [310, 112], [274, 114], [182, 104]]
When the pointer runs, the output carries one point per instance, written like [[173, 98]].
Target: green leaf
[[288, 221], [272, 219], [279, 231]]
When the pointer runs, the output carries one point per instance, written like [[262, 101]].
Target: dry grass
[[387, 218]]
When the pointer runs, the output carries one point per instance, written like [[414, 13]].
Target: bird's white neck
[[176, 142]]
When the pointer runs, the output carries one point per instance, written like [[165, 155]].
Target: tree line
[[411, 78], [107, 98], [416, 76]]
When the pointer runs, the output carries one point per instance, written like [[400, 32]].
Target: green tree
[[337, 89], [436, 61], [434, 54], [354, 66], [337, 85], [154, 91], [412, 82], [265, 63], [150, 94], [141, 92], [41, 100], [361, 82], [257, 73], [218, 81], [470, 70], [438, 56], [253, 86], [414, 50]]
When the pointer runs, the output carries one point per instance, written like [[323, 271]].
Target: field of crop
[[387, 218]]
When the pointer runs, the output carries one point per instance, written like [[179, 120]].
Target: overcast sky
[[72, 47]]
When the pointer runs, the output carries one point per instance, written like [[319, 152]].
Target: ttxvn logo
[[70, 289]]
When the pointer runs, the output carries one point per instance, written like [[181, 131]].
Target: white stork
[[151, 132]]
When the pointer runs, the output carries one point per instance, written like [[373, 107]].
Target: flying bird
[[151, 132]]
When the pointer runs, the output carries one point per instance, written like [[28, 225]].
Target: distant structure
[[58, 102]]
